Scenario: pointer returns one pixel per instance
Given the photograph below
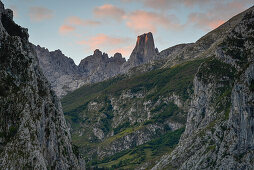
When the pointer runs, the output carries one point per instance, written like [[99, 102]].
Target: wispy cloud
[[216, 15], [102, 40], [125, 51], [109, 11], [171, 4], [64, 29], [74, 20], [142, 21], [40, 13], [106, 42]]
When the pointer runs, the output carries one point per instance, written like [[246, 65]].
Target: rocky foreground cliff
[[33, 130], [220, 125]]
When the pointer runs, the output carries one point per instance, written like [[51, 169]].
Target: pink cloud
[[216, 15], [125, 51], [215, 24], [142, 21], [171, 4], [73, 20], [64, 29], [204, 21], [40, 13], [102, 40], [109, 11]]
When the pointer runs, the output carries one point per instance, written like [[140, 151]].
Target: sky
[[78, 27]]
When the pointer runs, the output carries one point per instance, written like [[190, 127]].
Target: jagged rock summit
[[33, 130], [65, 76], [143, 52]]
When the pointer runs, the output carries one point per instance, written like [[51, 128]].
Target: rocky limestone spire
[[144, 50]]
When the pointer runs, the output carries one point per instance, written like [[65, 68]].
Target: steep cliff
[[65, 76], [99, 66], [143, 52], [61, 71], [220, 126], [33, 131]]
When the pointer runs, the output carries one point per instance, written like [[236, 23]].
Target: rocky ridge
[[220, 126], [65, 76], [33, 130]]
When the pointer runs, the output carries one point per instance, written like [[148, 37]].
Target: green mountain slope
[[121, 122], [127, 111]]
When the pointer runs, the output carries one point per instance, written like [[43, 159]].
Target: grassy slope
[[148, 152], [156, 83], [177, 79]]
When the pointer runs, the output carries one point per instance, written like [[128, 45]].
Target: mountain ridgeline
[[188, 107], [65, 76], [33, 130]]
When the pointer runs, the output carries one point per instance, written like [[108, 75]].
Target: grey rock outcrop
[[143, 52], [99, 66], [33, 131], [65, 76], [220, 126], [61, 71]]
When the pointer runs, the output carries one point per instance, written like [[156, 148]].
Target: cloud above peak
[[65, 29], [142, 21], [216, 15], [109, 11], [108, 43], [40, 13], [102, 40], [74, 20]]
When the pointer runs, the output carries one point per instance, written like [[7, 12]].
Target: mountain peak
[[97, 52], [144, 50], [146, 38], [118, 58]]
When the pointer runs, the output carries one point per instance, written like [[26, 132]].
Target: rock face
[[65, 76], [61, 71], [33, 131], [220, 125], [143, 52], [99, 66]]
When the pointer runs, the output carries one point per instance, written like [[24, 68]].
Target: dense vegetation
[[154, 86], [131, 158]]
